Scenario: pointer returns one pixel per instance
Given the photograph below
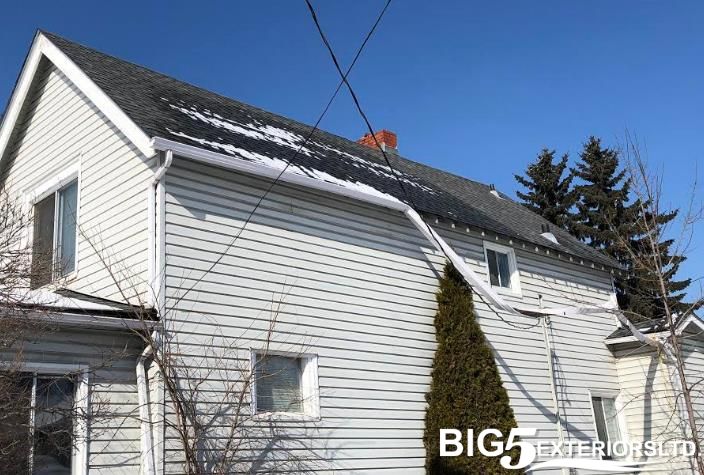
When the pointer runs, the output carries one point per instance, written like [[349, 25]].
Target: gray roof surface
[[165, 107]]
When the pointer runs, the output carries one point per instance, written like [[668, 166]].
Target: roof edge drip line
[[386, 201]]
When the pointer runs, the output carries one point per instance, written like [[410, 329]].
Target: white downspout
[[146, 439], [551, 374], [156, 227], [156, 300]]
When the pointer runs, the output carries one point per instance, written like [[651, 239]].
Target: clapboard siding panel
[[356, 285], [60, 128], [110, 358], [649, 405]]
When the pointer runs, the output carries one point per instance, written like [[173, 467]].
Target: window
[[608, 429], [285, 384], [54, 241], [501, 266], [39, 428]]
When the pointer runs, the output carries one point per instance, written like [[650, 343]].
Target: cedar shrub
[[466, 391]]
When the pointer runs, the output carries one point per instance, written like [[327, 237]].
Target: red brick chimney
[[386, 138]]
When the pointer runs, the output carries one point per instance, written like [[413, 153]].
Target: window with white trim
[[37, 430], [608, 428], [285, 384], [501, 266], [54, 235]]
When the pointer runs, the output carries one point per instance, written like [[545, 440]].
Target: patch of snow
[[279, 164], [47, 298], [376, 168], [266, 132]]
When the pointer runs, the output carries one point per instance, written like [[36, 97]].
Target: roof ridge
[[163, 106], [282, 117]]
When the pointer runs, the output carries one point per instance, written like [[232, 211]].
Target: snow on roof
[[296, 143], [161, 106]]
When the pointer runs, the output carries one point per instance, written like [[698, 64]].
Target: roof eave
[[43, 47]]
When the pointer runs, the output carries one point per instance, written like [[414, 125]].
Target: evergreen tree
[[642, 291], [548, 191], [466, 391], [604, 219], [607, 221]]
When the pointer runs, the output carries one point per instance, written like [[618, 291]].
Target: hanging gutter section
[[387, 201]]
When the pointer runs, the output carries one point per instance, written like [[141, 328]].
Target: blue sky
[[476, 88]]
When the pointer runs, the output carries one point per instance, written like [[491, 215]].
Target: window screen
[[278, 384], [68, 199], [54, 242]]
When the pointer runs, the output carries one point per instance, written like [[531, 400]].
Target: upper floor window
[[285, 384], [54, 238], [501, 266], [608, 429]]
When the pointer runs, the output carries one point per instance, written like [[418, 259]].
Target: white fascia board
[[19, 94], [42, 46], [234, 163], [387, 201]]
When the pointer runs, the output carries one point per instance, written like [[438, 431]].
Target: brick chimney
[[386, 138]]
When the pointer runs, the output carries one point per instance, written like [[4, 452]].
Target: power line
[[290, 160], [407, 195]]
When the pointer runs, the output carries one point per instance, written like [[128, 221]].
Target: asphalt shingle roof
[[165, 107]]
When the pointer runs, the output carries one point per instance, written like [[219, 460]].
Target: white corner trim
[[82, 401], [42, 46]]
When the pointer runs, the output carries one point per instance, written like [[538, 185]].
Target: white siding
[[110, 357], [693, 350], [649, 404], [59, 128], [356, 285]]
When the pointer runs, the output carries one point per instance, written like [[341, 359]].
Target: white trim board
[[43, 47]]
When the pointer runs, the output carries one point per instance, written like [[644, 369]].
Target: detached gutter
[[386, 201]]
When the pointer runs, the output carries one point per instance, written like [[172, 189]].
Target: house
[[140, 187]]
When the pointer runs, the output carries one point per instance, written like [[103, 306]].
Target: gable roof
[[164, 107]]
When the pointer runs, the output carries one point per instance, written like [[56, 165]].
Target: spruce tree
[[548, 190], [643, 295], [604, 220], [466, 390], [607, 220]]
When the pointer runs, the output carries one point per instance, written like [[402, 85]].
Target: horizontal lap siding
[[114, 443], [649, 404], [59, 128], [356, 285], [693, 350]]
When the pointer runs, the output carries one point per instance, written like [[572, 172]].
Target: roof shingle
[[165, 107]]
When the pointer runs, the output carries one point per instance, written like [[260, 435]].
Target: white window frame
[[51, 186], [79, 457], [515, 287], [310, 389], [620, 411]]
